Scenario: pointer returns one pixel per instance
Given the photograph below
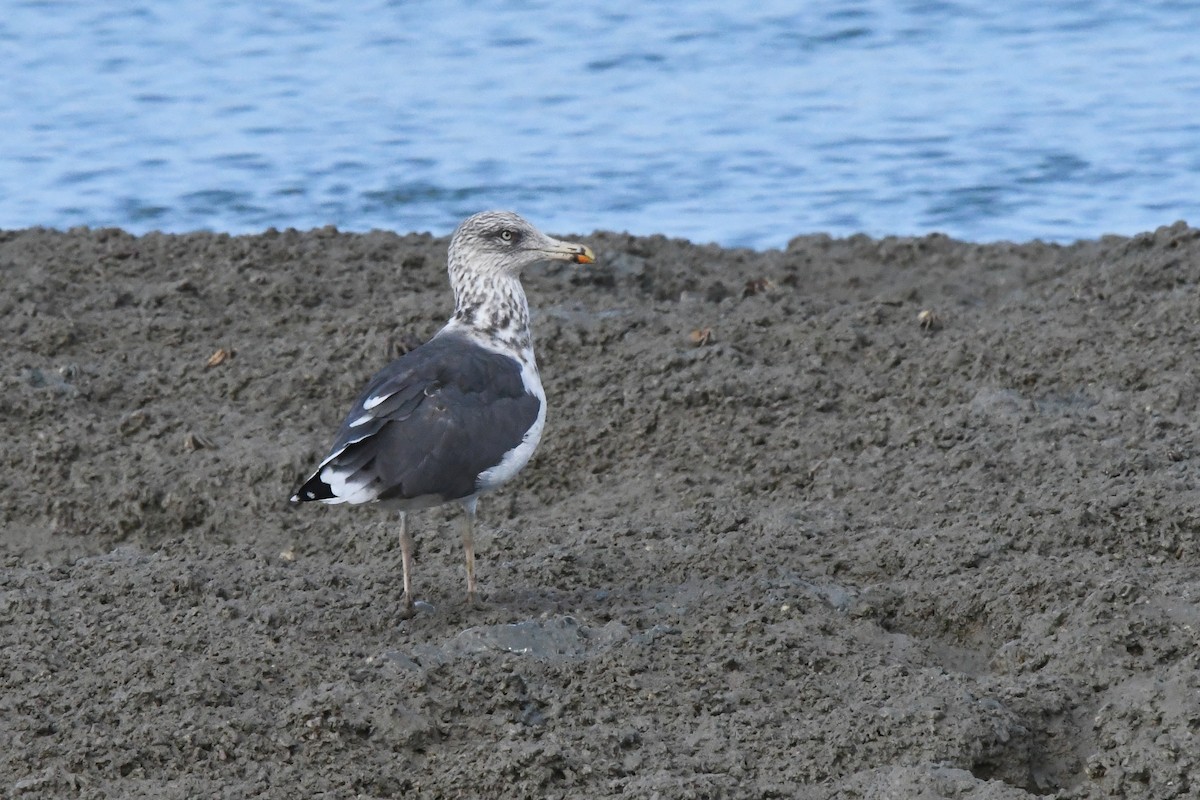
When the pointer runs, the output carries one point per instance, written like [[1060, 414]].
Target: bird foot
[[409, 608]]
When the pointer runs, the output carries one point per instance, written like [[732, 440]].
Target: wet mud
[[859, 518]]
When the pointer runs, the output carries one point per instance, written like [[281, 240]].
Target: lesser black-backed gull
[[461, 414]]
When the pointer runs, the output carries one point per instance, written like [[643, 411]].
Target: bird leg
[[406, 565], [468, 538]]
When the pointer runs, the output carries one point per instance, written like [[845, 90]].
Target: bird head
[[501, 242]]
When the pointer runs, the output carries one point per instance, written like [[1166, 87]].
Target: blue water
[[740, 125]]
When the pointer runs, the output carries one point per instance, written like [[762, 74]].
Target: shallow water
[[1031, 120]]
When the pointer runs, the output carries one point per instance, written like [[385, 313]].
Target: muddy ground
[[826, 552]]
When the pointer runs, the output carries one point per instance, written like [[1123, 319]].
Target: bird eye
[[506, 235]]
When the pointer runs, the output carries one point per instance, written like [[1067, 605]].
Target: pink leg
[[468, 538], [406, 564]]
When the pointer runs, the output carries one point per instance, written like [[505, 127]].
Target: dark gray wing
[[427, 424]]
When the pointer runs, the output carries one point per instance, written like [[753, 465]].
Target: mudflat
[[898, 518]]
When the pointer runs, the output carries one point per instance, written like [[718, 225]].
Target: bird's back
[[430, 424]]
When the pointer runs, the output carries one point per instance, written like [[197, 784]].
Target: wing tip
[[313, 489]]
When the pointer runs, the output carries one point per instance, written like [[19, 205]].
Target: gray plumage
[[449, 411], [461, 414]]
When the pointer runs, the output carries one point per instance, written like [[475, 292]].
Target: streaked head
[[503, 242]]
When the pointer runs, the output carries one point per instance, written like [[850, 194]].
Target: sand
[[784, 537]]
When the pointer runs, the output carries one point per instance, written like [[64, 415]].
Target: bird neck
[[494, 306]]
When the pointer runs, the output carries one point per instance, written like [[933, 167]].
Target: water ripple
[[745, 127]]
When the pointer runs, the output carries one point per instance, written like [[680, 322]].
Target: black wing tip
[[314, 489]]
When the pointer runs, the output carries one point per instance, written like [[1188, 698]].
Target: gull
[[460, 415]]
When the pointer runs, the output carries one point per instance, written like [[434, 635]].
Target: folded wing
[[426, 426]]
